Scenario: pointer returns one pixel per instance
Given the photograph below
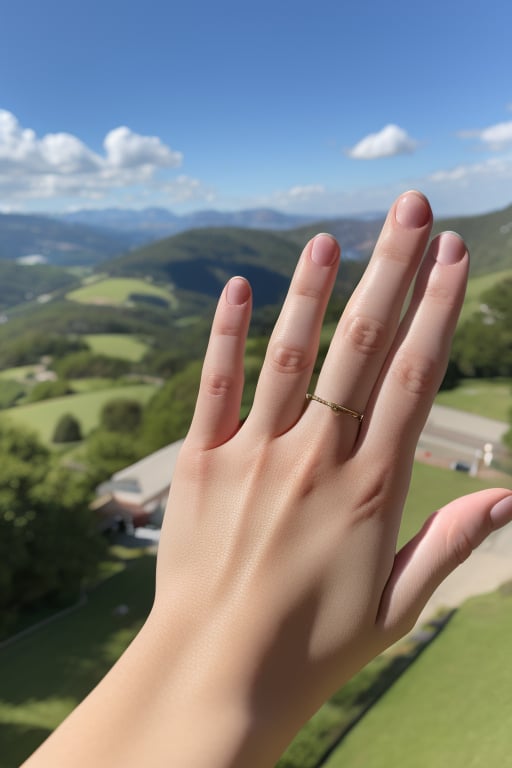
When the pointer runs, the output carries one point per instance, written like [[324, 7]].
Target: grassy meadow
[[117, 345], [486, 397], [45, 674], [20, 373], [453, 707], [117, 291], [85, 406]]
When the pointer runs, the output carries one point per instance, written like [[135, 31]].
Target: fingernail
[[412, 210], [501, 513], [325, 250], [449, 248], [238, 291]]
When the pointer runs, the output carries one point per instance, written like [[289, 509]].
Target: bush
[[85, 365], [10, 392], [48, 537], [45, 390], [67, 430], [121, 415], [108, 452]]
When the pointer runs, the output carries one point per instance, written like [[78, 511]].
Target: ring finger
[[369, 323]]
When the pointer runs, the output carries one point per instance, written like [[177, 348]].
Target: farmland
[[121, 291], [86, 407]]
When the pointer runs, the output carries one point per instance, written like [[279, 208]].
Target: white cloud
[[391, 140], [496, 137], [494, 169], [184, 189], [60, 165], [305, 192], [125, 149]]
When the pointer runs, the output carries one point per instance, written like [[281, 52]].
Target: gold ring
[[336, 407]]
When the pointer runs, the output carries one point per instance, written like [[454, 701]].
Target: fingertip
[[238, 291], [412, 210], [501, 513], [448, 248], [325, 250]]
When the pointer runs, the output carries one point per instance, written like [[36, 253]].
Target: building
[[137, 495]]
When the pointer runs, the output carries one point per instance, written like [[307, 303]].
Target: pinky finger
[[447, 539], [217, 411]]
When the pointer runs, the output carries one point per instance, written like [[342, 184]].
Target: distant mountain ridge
[[113, 232], [157, 223], [68, 243]]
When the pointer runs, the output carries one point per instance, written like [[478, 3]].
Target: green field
[[431, 488], [117, 291], [20, 373], [86, 407], [117, 345], [46, 674], [485, 397], [453, 707]]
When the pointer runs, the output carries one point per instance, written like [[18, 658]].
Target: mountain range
[[155, 223], [88, 238]]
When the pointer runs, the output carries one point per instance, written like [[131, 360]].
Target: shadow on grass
[[322, 735], [18, 741], [52, 669]]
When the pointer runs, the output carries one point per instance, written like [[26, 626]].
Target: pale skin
[[277, 575]]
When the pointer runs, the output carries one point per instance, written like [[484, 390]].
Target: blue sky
[[328, 108]]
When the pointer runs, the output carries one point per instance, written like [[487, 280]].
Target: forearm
[[165, 702]]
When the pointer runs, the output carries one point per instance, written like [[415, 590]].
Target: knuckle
[[390, 250], [437, 291], [366, 334], [288, 359], [218, 384], [302, 289], [225, 328], [416, 373], [459, 545]]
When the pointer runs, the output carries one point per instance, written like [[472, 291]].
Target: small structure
[[137, 495]]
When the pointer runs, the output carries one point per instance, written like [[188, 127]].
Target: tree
[[48, 537], [67, 430], [121, 415], [168, 414], [108, 452], [482, 347], [45, 390], [86, 364]]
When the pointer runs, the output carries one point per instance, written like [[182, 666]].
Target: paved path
[[455, 434], [486, 569]]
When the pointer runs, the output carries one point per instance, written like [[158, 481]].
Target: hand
[[279, 547], [277, 574]]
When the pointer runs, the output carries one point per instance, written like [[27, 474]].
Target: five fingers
[[381, 361]]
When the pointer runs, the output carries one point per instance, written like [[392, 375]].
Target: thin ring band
[[336, 407]]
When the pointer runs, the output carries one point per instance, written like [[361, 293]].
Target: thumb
[[445, 541]]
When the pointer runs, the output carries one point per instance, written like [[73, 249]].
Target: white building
[[137, 495]]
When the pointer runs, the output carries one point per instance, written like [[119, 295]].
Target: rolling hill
[[179, 279], [59, 242], [489, 239], [201, 261]]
